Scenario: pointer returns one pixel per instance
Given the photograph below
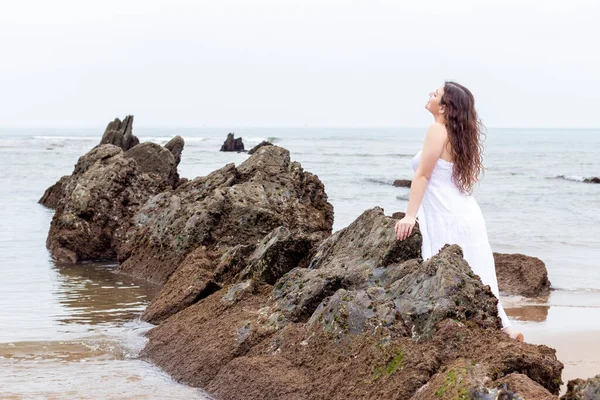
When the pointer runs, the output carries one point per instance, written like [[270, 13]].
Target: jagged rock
[[231, 210], [402, 183], [521, 275], [105, 190], [175, 146], [120, 133], [365, 318], [258, 146], [579, 389], [54, 193], [592, 180], [232, 144]]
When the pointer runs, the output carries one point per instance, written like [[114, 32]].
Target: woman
[[440, 195]]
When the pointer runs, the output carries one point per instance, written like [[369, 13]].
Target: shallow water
[[72, 331]]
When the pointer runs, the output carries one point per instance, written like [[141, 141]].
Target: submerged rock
[[402, 183], [521, 275], [120, 133], [592, 180], [232, 144]]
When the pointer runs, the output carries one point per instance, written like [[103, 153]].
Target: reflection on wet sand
[[94, 294], [532, 310]]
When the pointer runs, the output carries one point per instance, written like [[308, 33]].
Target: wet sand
[[566, 321]]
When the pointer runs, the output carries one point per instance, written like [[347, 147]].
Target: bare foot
[[514, 334]]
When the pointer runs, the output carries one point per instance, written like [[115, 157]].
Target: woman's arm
[[432, 150]]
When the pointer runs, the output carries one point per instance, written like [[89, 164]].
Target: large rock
[[232, 144], [521, 275], [258, 220], [106, 188], [120, 133], [362, 317], [592, 180], [580, 389]]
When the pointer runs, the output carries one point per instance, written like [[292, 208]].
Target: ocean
[[72, 331]]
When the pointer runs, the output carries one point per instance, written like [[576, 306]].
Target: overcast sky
[[530, 63]]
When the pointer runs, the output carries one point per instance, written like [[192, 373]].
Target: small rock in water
[[232, 144]]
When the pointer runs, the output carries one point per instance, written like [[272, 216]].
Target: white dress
[[448, 216]]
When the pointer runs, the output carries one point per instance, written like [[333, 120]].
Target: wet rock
[[258, 146], [364, 317], [465, 379], [54, 193], [580, 389], [402, 183], [592, 180], [278, 253], [521, 275], [120, 133], [105, 190], [232, 144], [258, 220], [175, 146]]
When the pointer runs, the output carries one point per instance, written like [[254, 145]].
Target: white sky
[[530, 63]]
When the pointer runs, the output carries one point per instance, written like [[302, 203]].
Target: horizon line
[[287, 127]]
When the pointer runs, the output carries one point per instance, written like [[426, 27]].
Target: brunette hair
[[465, 134]]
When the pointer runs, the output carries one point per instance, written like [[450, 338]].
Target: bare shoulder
[[437, 132], [437, 128]]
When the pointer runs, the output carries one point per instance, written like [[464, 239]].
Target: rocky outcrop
[[592, 180], [232, 144], [402, 183], [105, 190], [225, 227], [120, 133], [258, 146], [579, 389], [521, 275], [108, 185], [361, 316]]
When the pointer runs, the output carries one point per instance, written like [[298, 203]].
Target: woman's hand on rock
[[404, 227]]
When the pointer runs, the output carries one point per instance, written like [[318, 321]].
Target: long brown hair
[[465, 134]]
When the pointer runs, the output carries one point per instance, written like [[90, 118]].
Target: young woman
[[441, 191]]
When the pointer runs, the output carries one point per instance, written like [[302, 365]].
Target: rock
[[363, 317], [521, 275], [175, 146], [154, 159], [120, 133], [258, 220], [592, 180], [579, 389], [467, 380], [105, 190], [258, 146], [54, 193], [232, 144], [402, 183]]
